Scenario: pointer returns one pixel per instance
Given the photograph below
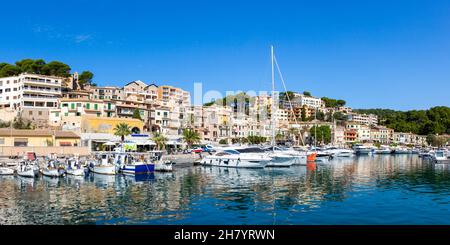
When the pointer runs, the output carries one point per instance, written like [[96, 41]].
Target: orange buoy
[[311, 157]]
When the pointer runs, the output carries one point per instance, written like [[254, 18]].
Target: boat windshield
[[439, 153], [251, 150], [231, 151]]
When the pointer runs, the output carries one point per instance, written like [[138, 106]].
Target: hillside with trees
[[435, 120], [38, 66]]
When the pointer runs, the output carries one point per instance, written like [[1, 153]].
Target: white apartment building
[[33, 96], [300, 100], [30, 91], [363, 118]]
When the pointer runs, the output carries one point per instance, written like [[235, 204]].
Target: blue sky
[[373, 54]]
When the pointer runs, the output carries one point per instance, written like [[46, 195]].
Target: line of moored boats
[[108, 163], [276, 156]]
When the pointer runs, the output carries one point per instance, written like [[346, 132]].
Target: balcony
[[41, 82], [37, 90]]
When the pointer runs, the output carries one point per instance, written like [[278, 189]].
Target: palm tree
[[190, 137], [122, 130], [160, 140]]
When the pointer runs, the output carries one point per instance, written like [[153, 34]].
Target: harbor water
[[379, 189]]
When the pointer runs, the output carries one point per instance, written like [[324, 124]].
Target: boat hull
[[164, 167], [31, 173], [138, 168], [76, 172], [281, 161], [234, 163], [363, 151], [106, 170], [53, 172], [6, 171]]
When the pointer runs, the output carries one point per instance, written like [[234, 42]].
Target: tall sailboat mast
[[273, 96]]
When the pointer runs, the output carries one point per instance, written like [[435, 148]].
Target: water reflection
[[378, 189]]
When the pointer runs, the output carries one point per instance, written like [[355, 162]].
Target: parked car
[[197, 150]]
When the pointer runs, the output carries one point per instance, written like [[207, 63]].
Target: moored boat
[[74, 167], [233, 158], [53, 169], [26, 169], [6, 171], [103, 165], [382, 150], [362, 149]]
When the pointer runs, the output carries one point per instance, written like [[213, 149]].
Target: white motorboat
[[104, 165], [339, 152], [440, 156], [233, 158], [27, 169], [279, 158], [53, 169], [73, 167], [401, 151], [382, 150], [300, 157], [362, 149], [161, 164], [6, 171]]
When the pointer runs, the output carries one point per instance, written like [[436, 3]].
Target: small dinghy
[[53, 169], [26, 169], [73, 167], [103, 165], [6, 171], [164, 166], [161, 165]]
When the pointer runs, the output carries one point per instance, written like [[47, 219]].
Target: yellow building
[[93, 124], [38, 138]]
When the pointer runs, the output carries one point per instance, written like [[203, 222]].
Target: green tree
[[323, 134], [303, 114], [31, 66], [122, 130], [85, 78], [286, 96], [137, 114], [306, 93], [160, 140], [339, 116], [223, 141], [56, 68], [20, 123], [9, 70], [190, 137]]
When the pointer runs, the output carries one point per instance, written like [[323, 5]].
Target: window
[[96, 106], [21, 142], [72, 106], [65, 105], [2, 141], [88, 106], [40, 113], [30, 113]]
